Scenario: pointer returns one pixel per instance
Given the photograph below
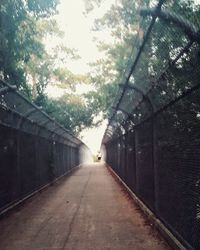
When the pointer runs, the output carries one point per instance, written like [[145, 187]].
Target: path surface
[[87, 211]]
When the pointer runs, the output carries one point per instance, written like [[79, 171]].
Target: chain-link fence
[[153, 136], [34, 149]]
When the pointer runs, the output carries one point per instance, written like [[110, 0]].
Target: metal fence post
[[136, 163], [155, 165]]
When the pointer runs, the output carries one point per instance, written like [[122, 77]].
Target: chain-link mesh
[[34, 149], [154, 145]]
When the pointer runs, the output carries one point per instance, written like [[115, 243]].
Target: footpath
[[88, 210]]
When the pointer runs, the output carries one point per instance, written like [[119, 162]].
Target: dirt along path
[[86, 211]]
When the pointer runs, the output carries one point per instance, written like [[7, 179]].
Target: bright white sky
[[78, 31], [79, 35]]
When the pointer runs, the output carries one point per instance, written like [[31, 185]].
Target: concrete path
[[87, 211]]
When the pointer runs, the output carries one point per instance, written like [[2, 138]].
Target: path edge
[[172, 241], [24, 199]]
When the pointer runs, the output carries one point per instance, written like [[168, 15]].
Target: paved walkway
[[87, 211]]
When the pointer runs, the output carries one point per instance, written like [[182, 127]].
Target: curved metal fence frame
[[190, 30]]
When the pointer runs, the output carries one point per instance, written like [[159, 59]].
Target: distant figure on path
[[99, 156]]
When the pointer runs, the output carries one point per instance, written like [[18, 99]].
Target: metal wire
[[154, 145], [35, 150]]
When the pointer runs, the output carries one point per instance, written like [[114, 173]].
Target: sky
[[79, 35], [78, 31]]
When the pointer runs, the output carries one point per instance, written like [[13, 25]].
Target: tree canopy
[[26, 62], [127, 30], [20, 36]]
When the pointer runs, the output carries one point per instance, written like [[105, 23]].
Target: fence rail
[[153, 136]]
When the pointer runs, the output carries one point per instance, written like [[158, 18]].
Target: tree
[[48, 66], [91, 4], [127, 31], [122, 22], [19, 36], [71, 111]]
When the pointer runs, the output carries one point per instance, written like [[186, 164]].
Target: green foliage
[[19, 36], [40, 8], [70, 110], [65, 79], [25, 62], [122, 22], [91, 4], [101, 99], [127, 30]]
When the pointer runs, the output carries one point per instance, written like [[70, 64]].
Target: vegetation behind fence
[[34, 149], [152, 139]]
